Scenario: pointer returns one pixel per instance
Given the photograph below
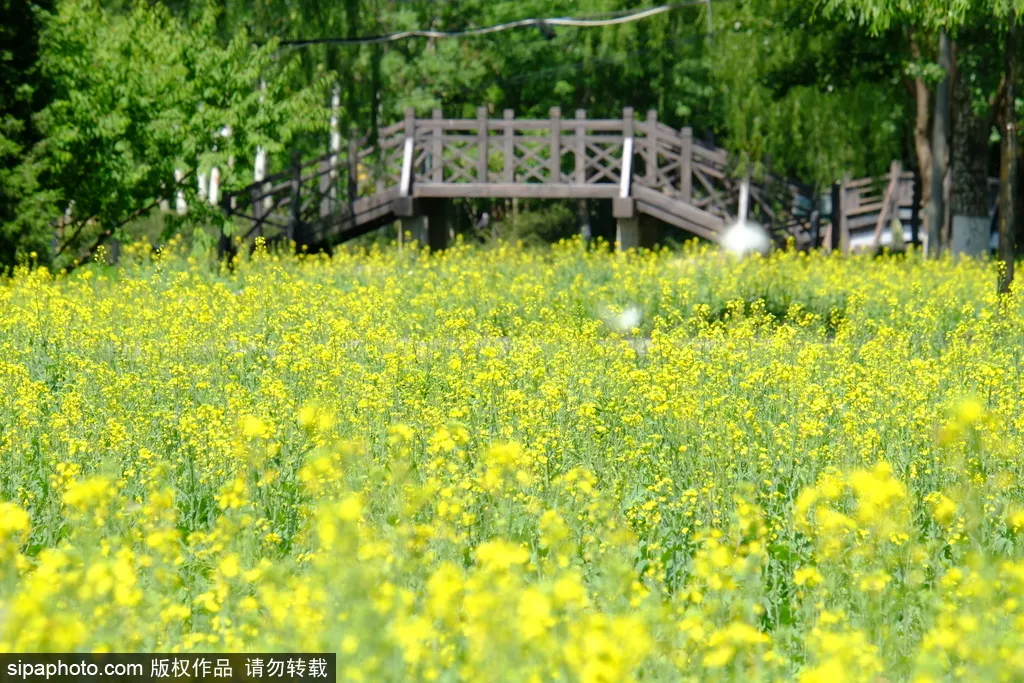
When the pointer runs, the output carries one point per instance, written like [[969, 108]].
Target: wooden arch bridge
[[652, 173]]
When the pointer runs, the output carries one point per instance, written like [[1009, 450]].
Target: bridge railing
[[555, 151], [504, 152], [579, 157], [295, 202], [871, 204]]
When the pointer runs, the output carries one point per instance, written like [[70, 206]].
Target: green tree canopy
[[136, 95]]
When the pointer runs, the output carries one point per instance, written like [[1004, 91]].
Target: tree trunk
[[1008, 160], [1018, 204], [969, 169], [940, 131], [922, 145]]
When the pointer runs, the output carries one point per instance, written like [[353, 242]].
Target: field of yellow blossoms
[[516, 465]]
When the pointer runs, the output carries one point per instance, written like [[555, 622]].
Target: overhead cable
[[575, 22]]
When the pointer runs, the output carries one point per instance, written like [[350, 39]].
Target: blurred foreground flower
[[965, 415]]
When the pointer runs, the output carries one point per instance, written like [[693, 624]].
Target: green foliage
[[538, 225], [21, 93], [814, 94], [880, 15], [135, 96]]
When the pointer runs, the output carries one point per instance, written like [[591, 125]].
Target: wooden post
[[436, 234], [844, 225], [223, 246], [481, 144], [580, 153], [555, 160], [353, 165], [324, 187], [225, 249], [258, 203], [894, 202], [651, 148], [837, 216], [415, 227], [686, 166], [627, 233], [508, 150], [651, 231], [816, 218], [889, 200], [437, 149], [915, 211]]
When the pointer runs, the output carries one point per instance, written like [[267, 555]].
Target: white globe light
[[745, 237], [629, 319]]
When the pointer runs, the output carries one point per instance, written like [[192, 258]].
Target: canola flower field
[[520, 465]]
